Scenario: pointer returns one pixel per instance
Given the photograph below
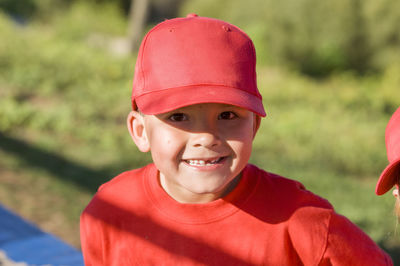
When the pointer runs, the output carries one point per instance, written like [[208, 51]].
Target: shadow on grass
[[68, 170]]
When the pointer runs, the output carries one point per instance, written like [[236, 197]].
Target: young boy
[[196, 108]]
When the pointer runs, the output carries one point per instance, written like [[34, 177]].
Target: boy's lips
[[204, 162]]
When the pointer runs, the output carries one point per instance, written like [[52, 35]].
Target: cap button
[[192, 15]]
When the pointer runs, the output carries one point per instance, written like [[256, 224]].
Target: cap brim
[[389, 178], [158, 102]]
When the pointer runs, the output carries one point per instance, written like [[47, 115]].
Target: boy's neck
[[184, 196]]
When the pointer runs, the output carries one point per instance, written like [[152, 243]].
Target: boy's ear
[[256, 125], [135, 123]]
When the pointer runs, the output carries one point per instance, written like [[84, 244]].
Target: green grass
[[64, 101]]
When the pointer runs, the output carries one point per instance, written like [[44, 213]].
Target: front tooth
[[197, 162]]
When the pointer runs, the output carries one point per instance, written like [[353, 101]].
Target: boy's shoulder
[[125, 179], [280, 200], [285, 192], [122, 192]]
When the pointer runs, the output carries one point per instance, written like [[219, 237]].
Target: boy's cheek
[[165, 145], [246, 134]]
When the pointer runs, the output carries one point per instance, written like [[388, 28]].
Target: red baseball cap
[[391, 175], [185, 61]]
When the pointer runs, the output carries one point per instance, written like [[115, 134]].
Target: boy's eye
[[227, 115], [178, 117]]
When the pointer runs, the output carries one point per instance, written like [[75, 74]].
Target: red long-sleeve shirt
[[265, 220]]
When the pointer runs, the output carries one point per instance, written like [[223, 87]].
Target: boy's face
[[200, 150]]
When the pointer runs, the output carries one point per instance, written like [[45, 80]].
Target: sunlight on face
[[200, 149]]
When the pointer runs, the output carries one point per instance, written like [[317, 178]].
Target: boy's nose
[[206, 139]]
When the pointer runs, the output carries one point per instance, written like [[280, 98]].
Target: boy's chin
[[212, 189]]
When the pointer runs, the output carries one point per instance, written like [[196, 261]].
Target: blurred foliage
[[315, 37], [336, 125], [59, 74]]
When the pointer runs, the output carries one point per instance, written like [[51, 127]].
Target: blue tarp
[[24, 242]]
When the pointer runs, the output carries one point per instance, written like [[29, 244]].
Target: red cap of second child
[[391, 174]]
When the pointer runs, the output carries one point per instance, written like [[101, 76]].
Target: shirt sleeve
[[346, 244], [91, 240]]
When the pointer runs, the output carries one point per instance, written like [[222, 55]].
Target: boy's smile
[[200, 150], [204, 162]]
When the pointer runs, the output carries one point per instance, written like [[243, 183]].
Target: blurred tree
[[144, 12], [137, 20], [357, 46]]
